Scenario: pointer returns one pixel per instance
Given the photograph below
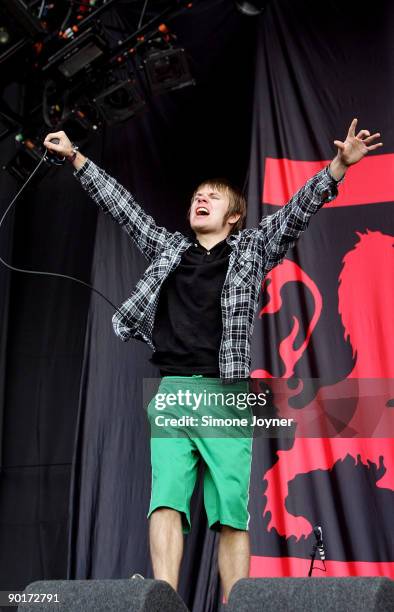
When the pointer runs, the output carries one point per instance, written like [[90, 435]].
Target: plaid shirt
[[254, 252]]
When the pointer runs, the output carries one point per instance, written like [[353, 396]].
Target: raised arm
[[113, 199], [279, 232]]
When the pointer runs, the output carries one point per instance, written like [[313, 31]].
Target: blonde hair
[[237, 201]]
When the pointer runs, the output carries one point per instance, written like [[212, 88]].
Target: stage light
[[251, 9], [74, 113], [22, 164], [4, 36], [167, 70], [120, 101], [78, 54]]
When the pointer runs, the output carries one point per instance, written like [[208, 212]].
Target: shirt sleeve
[[279, 232], [114, 199]]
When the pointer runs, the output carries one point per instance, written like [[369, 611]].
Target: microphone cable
[[39, 272]]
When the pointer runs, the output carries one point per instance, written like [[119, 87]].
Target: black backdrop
[[73, 392]]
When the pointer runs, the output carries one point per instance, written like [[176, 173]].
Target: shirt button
[[208, 252]]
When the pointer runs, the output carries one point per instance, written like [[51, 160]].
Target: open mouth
[[201, 211]]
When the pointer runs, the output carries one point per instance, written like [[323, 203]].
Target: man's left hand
[[354, 148]]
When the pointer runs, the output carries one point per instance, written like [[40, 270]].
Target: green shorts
[[177, 449]]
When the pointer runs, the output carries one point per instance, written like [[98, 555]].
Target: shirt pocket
[[243, 270]]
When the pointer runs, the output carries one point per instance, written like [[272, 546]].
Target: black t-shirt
[[188, 325]]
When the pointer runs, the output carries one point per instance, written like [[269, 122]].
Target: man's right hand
[[64, 148]]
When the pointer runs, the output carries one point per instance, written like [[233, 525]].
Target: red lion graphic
[[366, 306]]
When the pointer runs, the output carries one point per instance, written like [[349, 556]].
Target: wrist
[[78, 161], [71, 156], [337, 168]]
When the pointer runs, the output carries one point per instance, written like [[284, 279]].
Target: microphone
[[52, 157], [318, 531]]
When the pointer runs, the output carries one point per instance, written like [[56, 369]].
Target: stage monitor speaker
[[126, 595], [300, 594]]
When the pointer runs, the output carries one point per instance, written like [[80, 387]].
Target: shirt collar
[[231, 240]]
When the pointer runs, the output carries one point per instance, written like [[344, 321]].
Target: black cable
[[66, 18], [41, 9], [142, 14], [15, 269]]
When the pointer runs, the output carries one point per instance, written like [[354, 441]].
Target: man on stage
[[194, 306]]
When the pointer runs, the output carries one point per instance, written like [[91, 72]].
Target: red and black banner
[[326, 312]]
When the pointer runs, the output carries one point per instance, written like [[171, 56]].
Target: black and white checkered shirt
[[254, 252]]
